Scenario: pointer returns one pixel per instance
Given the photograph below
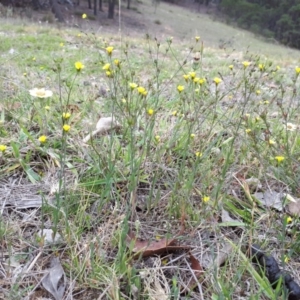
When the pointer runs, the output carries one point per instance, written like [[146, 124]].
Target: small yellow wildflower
[[261, 67], [109, 50], [3, 148], [133, 85], [84, 16], [40, 93], [196, 79], [279, 158], [289, 220], [79, 66], [106, 67], [66, 128], [141, 90], [271, 142], [258, 92], [47, 107], [180, 88], [186, 77], [150, 111], [33, 58], [157, 138], [197, 38], [202, 81], [217, 80], [297, 69], [61, 44], [108, 73], [192, 135], [266, 102], [25, 74], [42, 139], [246, 64], [117, 62], [230, 67], [192, 74], [248, 130], [174, 113], [123, 100], [198, 154], [257, 119], [277, 68], [66, 115], [205, 199]]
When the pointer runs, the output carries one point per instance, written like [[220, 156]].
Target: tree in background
[[111, 9]]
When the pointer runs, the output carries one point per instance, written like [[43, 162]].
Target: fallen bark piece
[[273, 272], [150, 248]]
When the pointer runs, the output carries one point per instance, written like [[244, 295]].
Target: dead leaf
[[103, 125], [198, 272], [270, 199], [55, 281], [150, 248]]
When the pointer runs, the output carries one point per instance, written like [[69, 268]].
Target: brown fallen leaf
[[150, 248]]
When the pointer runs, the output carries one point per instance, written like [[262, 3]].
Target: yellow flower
[[106, 67], [196, 79], [246, 64], [248, 130], [133, 85], [257, 119], [84, 16], [43, 139], [66, 128], [180, 88], [25, 74], [289, 220], [192, 135], [217, 80], [230, 67], [3, 148], [205, 199], [47, 107], [198, 154], [279, 158], [174, 113], [61, 44], [261, 67], [109, 50], [186, 77], [192, 74], [40, 93], [123, 100], [297, 69], [271, 142], [202, 81], [108, 73], [33, 58], [79, 66], [286, 258], [150, 111], [117, 62], [258, 92], [197, 38], [157, 138], [66, 115], [142, 90], [277, 68]]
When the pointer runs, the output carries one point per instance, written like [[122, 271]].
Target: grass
[[196, 131]]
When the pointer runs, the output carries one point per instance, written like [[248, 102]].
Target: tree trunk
[[111, 9], [90, 4], [128, 4], [95, 7], [36, 4], [100, 5], [57, 11]]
